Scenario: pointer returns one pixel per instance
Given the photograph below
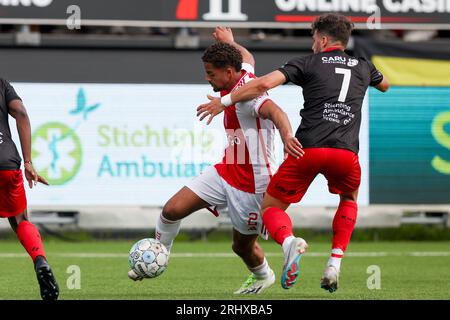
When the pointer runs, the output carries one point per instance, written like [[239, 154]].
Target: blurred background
[[112, 88]]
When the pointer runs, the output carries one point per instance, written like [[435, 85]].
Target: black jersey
[[334, 85], [9, 157]]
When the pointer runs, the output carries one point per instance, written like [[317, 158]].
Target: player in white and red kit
[[334, 85], [239, 181]]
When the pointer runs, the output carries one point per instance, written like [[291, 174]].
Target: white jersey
[[249, 160]]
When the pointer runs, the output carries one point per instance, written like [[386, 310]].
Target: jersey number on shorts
[[252, 221], [345, 84]]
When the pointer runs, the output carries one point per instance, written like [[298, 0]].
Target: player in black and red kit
[[13, 202], [334, 85]]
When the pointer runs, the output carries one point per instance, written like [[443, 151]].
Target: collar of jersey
[[332, 49], [244, 72]]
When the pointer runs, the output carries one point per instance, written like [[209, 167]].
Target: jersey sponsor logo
[[335, 59], [25, 3], [232, 139]]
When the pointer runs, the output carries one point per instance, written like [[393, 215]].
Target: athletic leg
[[202, 192], [30, 238], [262, 277], [181, 205], [343, 175], [289, 185]]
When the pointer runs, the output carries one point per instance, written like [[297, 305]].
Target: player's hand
[[32, 177], [211, 109], [223, 34], [293, 147]]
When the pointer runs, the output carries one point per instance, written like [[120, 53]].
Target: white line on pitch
[[94, 255]]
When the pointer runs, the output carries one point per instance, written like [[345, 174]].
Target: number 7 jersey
[[334, 85]]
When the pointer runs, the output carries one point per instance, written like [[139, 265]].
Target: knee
[[350, 196], [15, 221], [171, 211]]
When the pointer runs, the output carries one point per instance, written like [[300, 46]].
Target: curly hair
[[336, 26], [222, 55]]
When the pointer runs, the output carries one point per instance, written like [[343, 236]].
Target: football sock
[[343, 225], [166, 231], [30, 239], [335, 258], [278, 224], [262, 271]]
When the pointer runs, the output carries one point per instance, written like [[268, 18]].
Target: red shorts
[[13, 199], [339, 166]]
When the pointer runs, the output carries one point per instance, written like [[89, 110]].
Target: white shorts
[[243, 207]]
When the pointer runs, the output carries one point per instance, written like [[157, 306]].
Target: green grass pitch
[[209, 270]]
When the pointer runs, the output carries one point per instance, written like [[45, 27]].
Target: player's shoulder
[[300, 60], [361, 60], [249, 68]]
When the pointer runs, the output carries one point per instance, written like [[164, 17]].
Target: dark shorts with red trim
[[13, 199], [339, 166]]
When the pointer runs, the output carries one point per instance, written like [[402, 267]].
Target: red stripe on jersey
[[263, 145], [236, 174]]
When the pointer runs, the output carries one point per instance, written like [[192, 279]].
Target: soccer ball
[[148, 258]]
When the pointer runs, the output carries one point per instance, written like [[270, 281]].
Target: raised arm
[[225, 35], [17, 111]]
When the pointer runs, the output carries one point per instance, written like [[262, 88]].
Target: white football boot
[[330, 279], [290, 273], [256, 286], [133, 275]]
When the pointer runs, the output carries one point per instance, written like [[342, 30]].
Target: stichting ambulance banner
[[136, 145]]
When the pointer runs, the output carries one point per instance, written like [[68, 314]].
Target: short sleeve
[[252, 107], [294, 70], [10, 93], [248, 67], [375, 76]]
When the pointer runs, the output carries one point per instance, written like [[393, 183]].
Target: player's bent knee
[[350, 196], [172, 211]]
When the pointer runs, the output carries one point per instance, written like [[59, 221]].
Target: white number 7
[[345, 84]]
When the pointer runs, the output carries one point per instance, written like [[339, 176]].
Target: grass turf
[[404, 275]]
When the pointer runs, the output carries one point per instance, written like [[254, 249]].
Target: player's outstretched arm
[[225, 35], [17, 111], [249, 91], [270, 110]]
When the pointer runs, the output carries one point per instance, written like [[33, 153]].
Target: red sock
[[343, 224], [278, 224], [30, 238]]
